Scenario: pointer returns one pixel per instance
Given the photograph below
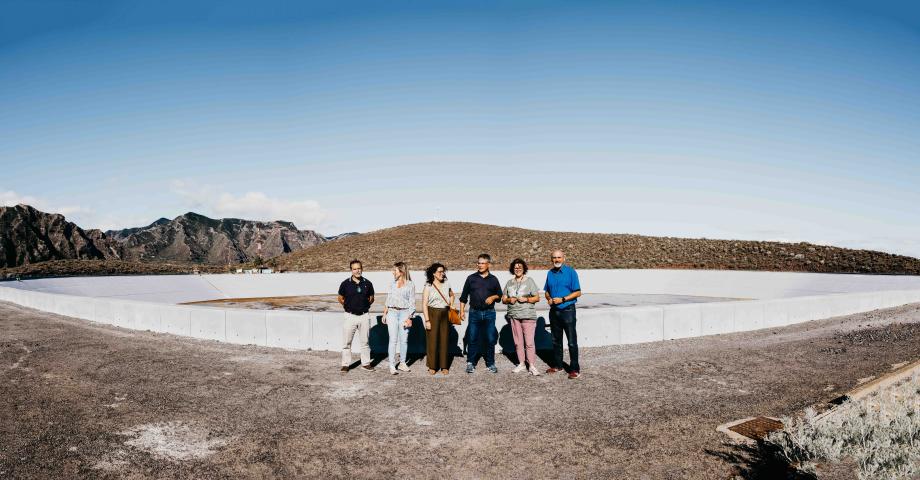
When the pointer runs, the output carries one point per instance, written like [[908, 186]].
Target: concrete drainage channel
[[868, 388]]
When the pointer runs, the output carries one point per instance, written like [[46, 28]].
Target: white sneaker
[[393, 371], [520, 368], [534, 371], [403, 367]]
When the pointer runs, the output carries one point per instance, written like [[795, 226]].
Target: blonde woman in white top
[[397, 315], [437, 297]]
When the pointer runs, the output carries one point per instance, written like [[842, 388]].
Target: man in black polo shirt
[[482, 290], [356, 294]]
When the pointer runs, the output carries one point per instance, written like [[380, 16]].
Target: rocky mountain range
[[456, 244], [199, 239], [37, 243], [28, 235]]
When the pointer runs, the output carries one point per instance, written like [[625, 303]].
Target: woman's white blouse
[[402, 297], [435, 300]]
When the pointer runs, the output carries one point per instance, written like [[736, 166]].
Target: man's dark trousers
[[563, 320], [483, 337]]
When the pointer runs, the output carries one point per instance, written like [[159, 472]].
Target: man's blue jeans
[[482, 337]]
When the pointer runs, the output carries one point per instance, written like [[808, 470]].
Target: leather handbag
[[452, 313]]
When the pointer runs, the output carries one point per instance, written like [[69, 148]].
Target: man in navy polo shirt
[[356, 294], [562, 291], [481, 290]]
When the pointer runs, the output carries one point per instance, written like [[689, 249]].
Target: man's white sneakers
[[520, 368], [534, 371], [403, 367]]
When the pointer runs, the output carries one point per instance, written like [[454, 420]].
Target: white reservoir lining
[[703, 283], [149, 303]]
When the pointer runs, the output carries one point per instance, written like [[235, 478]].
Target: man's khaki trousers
[[359, 324]]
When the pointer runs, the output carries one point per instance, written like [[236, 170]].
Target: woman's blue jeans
[[399, 335]]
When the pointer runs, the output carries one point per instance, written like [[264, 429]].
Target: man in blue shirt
[[562, 291]]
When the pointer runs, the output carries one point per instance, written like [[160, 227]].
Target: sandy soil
[[328, 303], [84, 400]]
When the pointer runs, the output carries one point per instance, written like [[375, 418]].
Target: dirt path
[[84, 400]]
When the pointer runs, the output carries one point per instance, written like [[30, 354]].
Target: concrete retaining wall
[[706, 283], [322, 330], [726, 284]]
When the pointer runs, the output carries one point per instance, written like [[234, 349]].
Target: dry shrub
[[881, 433]]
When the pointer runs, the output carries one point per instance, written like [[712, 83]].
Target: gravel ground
[[84, 400]]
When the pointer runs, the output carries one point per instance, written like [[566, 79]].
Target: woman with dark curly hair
[[437, 298], [520, 294]]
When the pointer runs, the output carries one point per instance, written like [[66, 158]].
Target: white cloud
[[112, 222], [207, 200], [10, 198], [73, 209], [899, 245]]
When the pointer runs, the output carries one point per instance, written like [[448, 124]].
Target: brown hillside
[[456, 244]]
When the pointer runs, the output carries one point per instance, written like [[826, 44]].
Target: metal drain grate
[[757, 428]]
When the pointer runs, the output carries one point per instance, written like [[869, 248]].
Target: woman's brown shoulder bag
[[453, 314]]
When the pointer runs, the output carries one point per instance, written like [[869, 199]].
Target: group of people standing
[[481, 291]]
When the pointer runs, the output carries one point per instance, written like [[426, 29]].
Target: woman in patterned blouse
[[397, 315]]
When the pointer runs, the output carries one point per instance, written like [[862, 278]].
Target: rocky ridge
[[199, 239], [29, 236]]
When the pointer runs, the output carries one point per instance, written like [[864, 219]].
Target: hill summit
[[457, 244]]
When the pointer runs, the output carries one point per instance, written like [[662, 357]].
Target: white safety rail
[[771, 300]]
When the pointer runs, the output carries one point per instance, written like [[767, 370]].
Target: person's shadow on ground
[[379, 337], [757, 462], [543, 341]]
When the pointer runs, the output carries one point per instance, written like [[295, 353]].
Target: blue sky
[[791, 121]]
